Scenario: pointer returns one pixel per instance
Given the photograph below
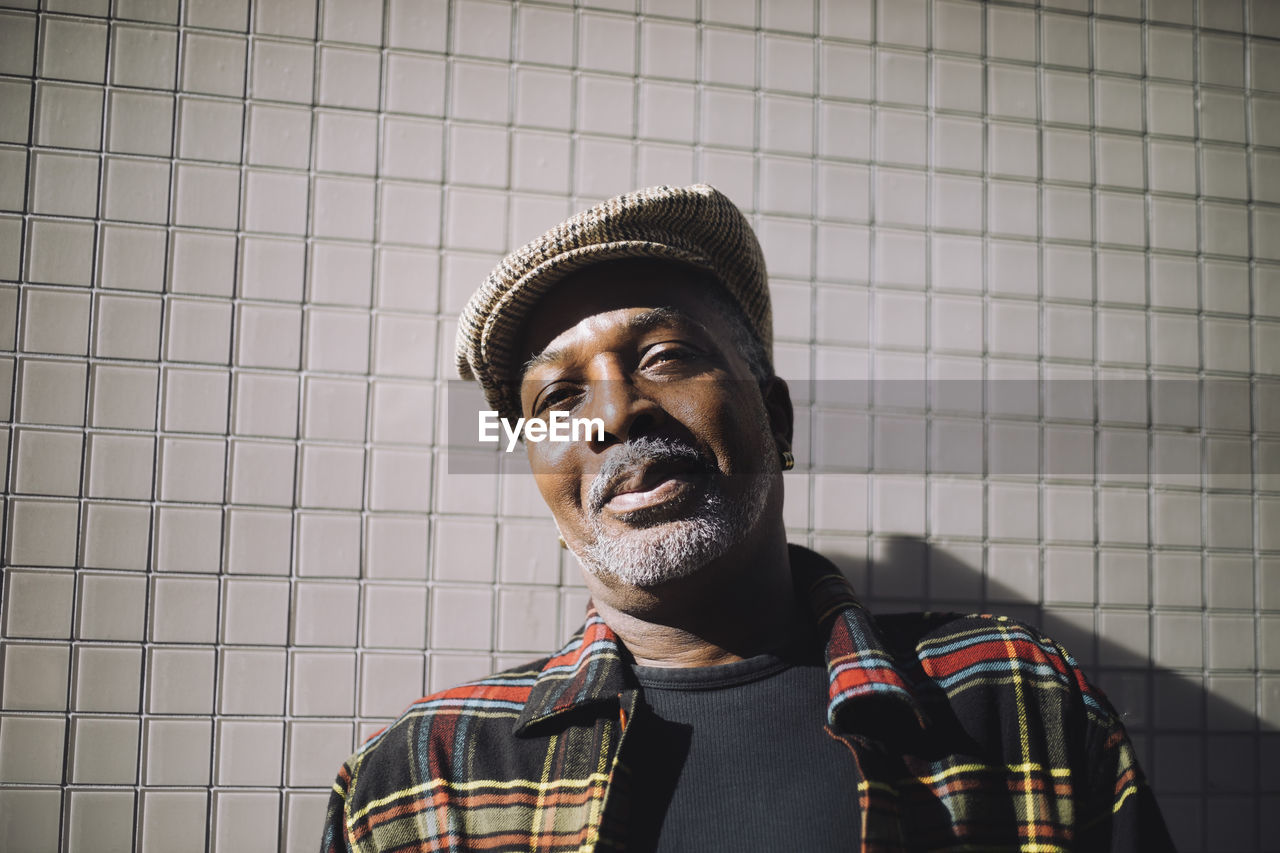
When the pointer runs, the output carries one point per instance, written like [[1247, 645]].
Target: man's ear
[[777, 405]]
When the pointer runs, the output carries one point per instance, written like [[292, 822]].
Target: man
[[727, 691]]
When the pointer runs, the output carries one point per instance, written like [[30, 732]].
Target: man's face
[[688, 466]]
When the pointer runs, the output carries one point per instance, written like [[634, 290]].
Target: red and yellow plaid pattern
[[970, 733]]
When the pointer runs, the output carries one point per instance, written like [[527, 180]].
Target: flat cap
[[696, 225]]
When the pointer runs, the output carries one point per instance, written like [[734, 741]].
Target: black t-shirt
[[738, 757]]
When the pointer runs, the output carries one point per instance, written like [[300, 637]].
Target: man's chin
[[658, 553]]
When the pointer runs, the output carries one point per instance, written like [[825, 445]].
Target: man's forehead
[[632, 322], [647, 293]]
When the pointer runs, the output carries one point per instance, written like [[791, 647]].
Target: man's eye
[[669, 356], [556, 397]]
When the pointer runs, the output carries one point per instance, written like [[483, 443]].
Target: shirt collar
[[863, 673]]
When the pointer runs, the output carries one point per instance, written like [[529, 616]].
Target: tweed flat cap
[[697, 225]]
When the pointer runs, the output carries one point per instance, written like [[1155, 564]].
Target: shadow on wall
[[1208, 759]]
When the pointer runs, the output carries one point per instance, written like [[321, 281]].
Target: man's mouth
[[647, 479], [657, 485]]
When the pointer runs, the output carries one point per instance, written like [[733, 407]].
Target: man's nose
[[626, 412]]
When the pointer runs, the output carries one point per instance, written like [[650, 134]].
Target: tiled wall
[[234, 237]]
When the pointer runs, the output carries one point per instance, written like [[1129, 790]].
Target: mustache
[[635, 454]]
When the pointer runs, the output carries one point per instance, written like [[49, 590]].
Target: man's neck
[[732, 609]]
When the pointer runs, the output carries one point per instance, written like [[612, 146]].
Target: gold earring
[[563, 544], [788, 460]]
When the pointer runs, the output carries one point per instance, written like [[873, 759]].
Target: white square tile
[[388, 682], [1173, 224], [1012, 208], [1119, 160], [1221, 57], [358, 21], [957, 203], [188, 539], [1120, 218], [1226, 286], [412, 149], [546, 35], [1118, 47], [258, 541], [845, 71], [899, 320], [399, 480], [326, 613], [1065, 39], [461, 618], [1012, 91], [1066, 98], [396, 548], [903, 23], [1224, 228], [184, 610], [191, 470], [328, 544], [262, 473], [478, 155], [476, 219], [136, 191], [1013, 328], [282, 71], [1222, 115], [844, 131], [667, 112], [331, 477], [540, 162], [607, 42], [349, 77], [195, 400], [844, 192], [786, 186], [346, 142], [543, 99], [206, 196], [248, 752], [73, 49], [902, 77], [786, 125], [213, 65], [851, 20], [395, 616], [409, 214], [728, 57], [482, 28], [899, 258], [900, 197], [1011, 33], [68, 116], [268, 336], [64, 184], [527, 619], [788, 64], [19, 40], [123, 397], [958, 144], [1014, 150]]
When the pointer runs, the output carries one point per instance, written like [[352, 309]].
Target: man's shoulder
[[489, 706], [978, 652], [969, 630]]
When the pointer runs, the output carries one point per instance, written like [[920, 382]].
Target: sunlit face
[[687, 467]]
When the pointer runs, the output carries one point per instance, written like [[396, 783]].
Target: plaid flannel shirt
[[969, 733]]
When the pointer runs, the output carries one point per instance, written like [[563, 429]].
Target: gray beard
[[651, 555]]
